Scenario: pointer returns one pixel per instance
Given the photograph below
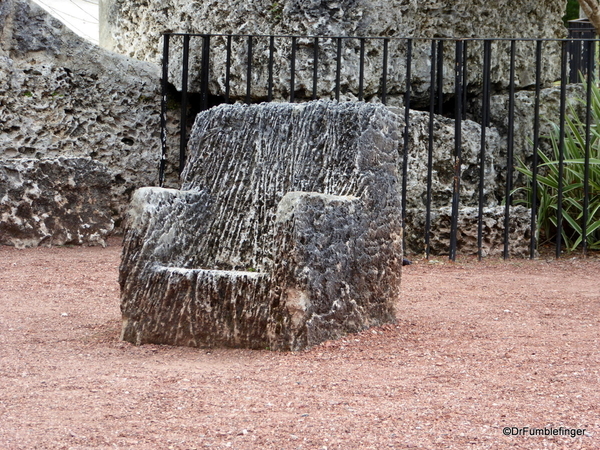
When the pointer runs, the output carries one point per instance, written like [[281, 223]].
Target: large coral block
[[134, 27], [61, 96], [54, 202], [286, 231]]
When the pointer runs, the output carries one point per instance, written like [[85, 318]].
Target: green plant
[[276, 11], [572, 11], [172, 104], [574, 171], [145, 99]]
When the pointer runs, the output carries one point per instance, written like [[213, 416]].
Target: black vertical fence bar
[[270, 68], [184, 97], [338, 69], [465, 80], [509, 149], [430, 149], [361, 70], [561, 146], [204, 76], [458, 87], [596, 71], [579, 56], [586, 163], [574, 58], [485, 110], [293, 70], [384, 72], [440, 77], [163, 110], [536, 145], [249, 71], [315, 67], [228, 69], [489, 87], [409, 45]]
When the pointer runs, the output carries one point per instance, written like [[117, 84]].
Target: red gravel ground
[[478, 347]]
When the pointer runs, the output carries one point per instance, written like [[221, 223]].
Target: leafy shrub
[[574, 172], [572, 11]]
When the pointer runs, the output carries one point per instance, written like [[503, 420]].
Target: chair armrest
[[334, 263], [157, 228]]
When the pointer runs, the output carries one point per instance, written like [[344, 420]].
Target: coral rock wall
[[134, 28], [61, 96]]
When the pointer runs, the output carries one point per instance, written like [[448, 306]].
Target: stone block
[[60, 95], [54, 202], [125, 33], [549, 114], [443, 161], [286, 231], [468, 220]]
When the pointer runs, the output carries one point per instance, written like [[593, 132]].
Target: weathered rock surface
[[62, 96], [525, 116], [54, 202], [133, 27], [286, 232], [442, 188], [468, 220], [444, 161]]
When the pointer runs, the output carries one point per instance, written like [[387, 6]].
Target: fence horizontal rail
[[504, 89], [390, 38]]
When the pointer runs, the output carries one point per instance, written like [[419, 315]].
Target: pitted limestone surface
[[253, 165], [519, 230], [54, 202], [134, 27], [61, 96]]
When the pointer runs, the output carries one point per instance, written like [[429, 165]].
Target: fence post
[[536, 145], [485, 113], [561, 146], [361, 70], [458, 87], [509, 148], [184, 95], [163, 110], [338, 68], [204, 75], [465, 81], [249, 71], [430, 148], [315, 67], [270, 77], [384, 71], [293, 71], [440, 77]]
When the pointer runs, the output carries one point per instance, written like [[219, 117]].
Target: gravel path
[[478, 347]]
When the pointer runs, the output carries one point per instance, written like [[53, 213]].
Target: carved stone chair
[[286, 231]]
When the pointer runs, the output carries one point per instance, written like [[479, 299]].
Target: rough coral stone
[[54, 202], [286, 232]]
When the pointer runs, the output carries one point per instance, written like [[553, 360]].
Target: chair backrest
[[248, 157]]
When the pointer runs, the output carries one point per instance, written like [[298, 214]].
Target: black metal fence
[[457, 78], [579, 54]]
